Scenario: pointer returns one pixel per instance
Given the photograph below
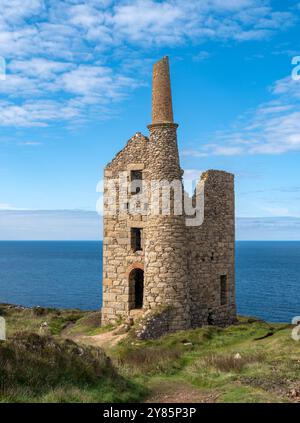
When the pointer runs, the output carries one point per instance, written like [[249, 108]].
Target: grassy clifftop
[[49, 367], [44, 369], [248, 362]]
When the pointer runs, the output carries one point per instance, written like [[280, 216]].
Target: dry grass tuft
[[229, 363], [148, 359]]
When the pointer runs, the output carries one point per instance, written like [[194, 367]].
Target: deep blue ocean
[[68, 275]]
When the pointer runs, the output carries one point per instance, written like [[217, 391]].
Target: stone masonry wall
[[211, 253], [118, 257], [166, 272], [154, 324], [184, 266]]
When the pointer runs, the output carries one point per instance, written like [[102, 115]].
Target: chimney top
[[162, 110]]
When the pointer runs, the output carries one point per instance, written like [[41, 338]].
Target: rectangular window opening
[[136, 179], [136, 239], [223, 286]]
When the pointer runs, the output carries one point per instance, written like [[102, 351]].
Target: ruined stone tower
[[171, 274], [166, 271]]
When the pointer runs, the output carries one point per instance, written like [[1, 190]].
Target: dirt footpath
[[104, 340], [178, 392]]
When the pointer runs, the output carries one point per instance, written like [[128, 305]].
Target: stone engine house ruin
[[154, 264]]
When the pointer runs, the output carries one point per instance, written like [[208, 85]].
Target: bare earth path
[[104, 340], [161, 391], [178, 392]]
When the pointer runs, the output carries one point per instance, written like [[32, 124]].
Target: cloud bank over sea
[[82, 225]]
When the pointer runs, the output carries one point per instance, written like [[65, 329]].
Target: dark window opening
[[212, 257], [223, 283], [136, 289], [136, 178], [210, 318], [136, 239]]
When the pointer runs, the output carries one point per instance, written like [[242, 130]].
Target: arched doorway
[[136, 289]]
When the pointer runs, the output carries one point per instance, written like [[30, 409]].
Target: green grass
[[50, 368], [203, 359], [21, 318], [37, 368], [89, 324]]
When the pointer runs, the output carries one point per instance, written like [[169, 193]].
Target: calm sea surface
[[68, 274]]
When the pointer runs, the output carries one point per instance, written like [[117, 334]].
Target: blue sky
[[78, 86]]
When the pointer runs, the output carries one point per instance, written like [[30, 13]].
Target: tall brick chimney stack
[[162, 110], [163, 130]]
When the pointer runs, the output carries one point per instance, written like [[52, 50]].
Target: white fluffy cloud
[[151, 22], [56, 49], [36, 113], [273, 128], [65, 28], [15, 11], [40, 67]]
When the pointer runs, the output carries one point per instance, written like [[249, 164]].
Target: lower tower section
[[166, 267]]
